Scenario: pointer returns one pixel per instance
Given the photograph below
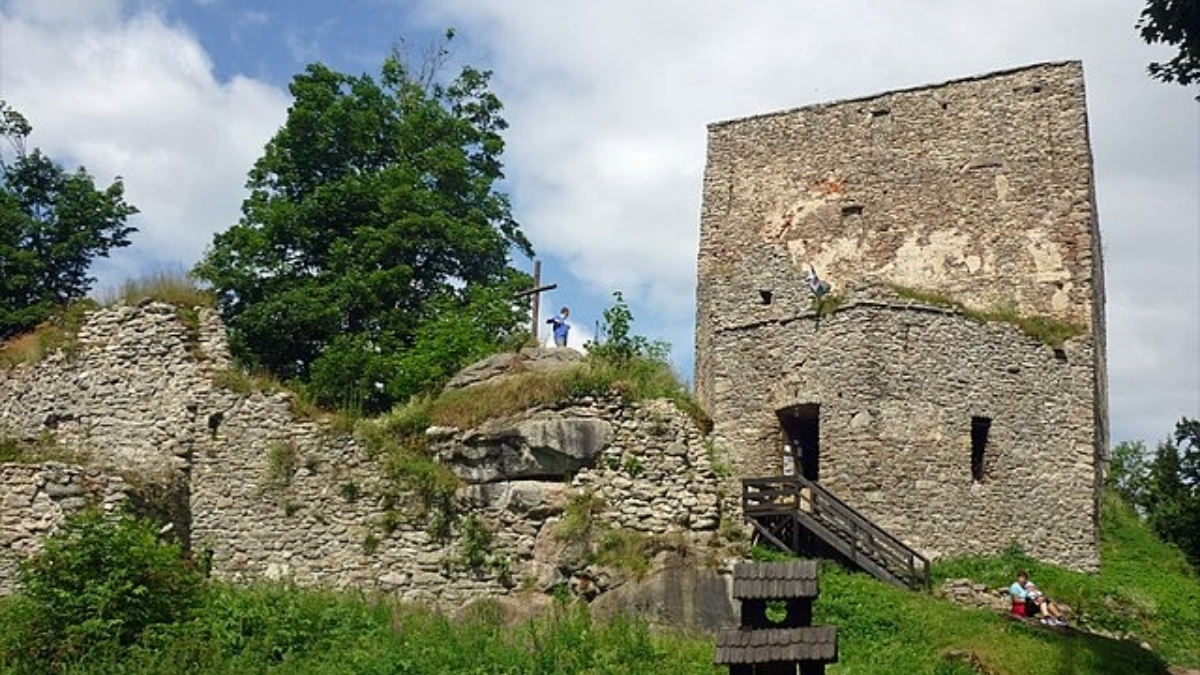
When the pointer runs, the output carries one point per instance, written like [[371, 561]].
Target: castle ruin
[[952, 385]]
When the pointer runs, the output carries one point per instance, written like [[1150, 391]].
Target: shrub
[[100, 582]]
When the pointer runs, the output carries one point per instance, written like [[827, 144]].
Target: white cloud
[[135, 97]]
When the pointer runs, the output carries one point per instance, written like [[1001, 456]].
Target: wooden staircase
[[794, 514]]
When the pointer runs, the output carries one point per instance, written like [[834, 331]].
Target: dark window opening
[[852, 210], [1060, 354], [766, 296], [881, 112], [802, 430], [980, 426]]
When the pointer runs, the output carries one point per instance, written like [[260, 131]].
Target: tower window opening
[[980, 426]]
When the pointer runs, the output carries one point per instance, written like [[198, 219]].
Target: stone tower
[[952, 384]]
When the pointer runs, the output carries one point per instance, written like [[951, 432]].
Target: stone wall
[[897, 386], [268, 493], [130, 393], [979, 191], [35, 499]]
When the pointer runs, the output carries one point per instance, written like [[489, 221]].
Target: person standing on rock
[[561, 327]]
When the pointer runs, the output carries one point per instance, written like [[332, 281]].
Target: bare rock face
[[677, 593], [529, 359], [546, 448]]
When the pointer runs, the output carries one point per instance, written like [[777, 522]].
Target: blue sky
[[608, 104]]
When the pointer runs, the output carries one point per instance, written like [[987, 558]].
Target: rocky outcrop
[[546, 447], [507, 364]]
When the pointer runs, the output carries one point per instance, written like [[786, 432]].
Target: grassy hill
[[1145, 592]]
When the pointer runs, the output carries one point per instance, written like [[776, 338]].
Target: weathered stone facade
[[957, 435], [145, 395]]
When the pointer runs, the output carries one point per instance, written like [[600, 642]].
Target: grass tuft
[[1047, 330], [174, 288], [59, 332]]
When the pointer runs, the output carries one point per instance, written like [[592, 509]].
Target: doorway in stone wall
[[801, 426]]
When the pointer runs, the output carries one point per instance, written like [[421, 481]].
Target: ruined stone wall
[[128, 393], [979, 191], [268, 493], [34, 499]]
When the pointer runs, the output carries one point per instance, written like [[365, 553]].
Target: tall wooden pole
[[537, 281]]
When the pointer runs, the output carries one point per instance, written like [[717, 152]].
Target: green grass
[[59, 332], [883, 630], [174, 288], [1144, 586], [1047, 330], [277, 629], [634, 379]]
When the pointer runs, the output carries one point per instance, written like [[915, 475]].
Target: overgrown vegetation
[[1164, 487], [398, 443], [825, 305], [1047, 330], [87, 613], [60, 329], [283, 459], [174, 288], [101, 583], [44, 448], [58, 332], [600, 543]]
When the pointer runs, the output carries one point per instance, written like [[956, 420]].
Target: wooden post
[[537, 281], [536, 292]]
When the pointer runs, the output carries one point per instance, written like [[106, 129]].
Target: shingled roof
[[775, 581], [740, 645]]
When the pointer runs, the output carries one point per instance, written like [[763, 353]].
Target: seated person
[[1029, 601]]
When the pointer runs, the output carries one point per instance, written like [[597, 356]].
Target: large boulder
[[507, 364], [544, 448], [678, 593]]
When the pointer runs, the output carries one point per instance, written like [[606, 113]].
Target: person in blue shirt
[[1032, 601], [561, 327]]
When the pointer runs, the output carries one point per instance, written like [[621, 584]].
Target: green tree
[[53, 223], [371, 259], [1129, 472], [100, 581], [1176, 23], [620, 343], [1165, 488]]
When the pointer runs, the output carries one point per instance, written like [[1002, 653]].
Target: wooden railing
[[783, 502]]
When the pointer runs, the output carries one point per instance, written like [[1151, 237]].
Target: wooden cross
[[535, 292]]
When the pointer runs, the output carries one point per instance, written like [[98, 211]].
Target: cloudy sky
[[608, 103]]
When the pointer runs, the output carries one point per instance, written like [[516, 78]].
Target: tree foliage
[[53, 223], [371, 259], [620, 343], [100, 581], [1165, 487], [1175, 23]]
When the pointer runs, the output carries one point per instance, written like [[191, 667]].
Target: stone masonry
[[957, 435], [147, 397], [34, 501]]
